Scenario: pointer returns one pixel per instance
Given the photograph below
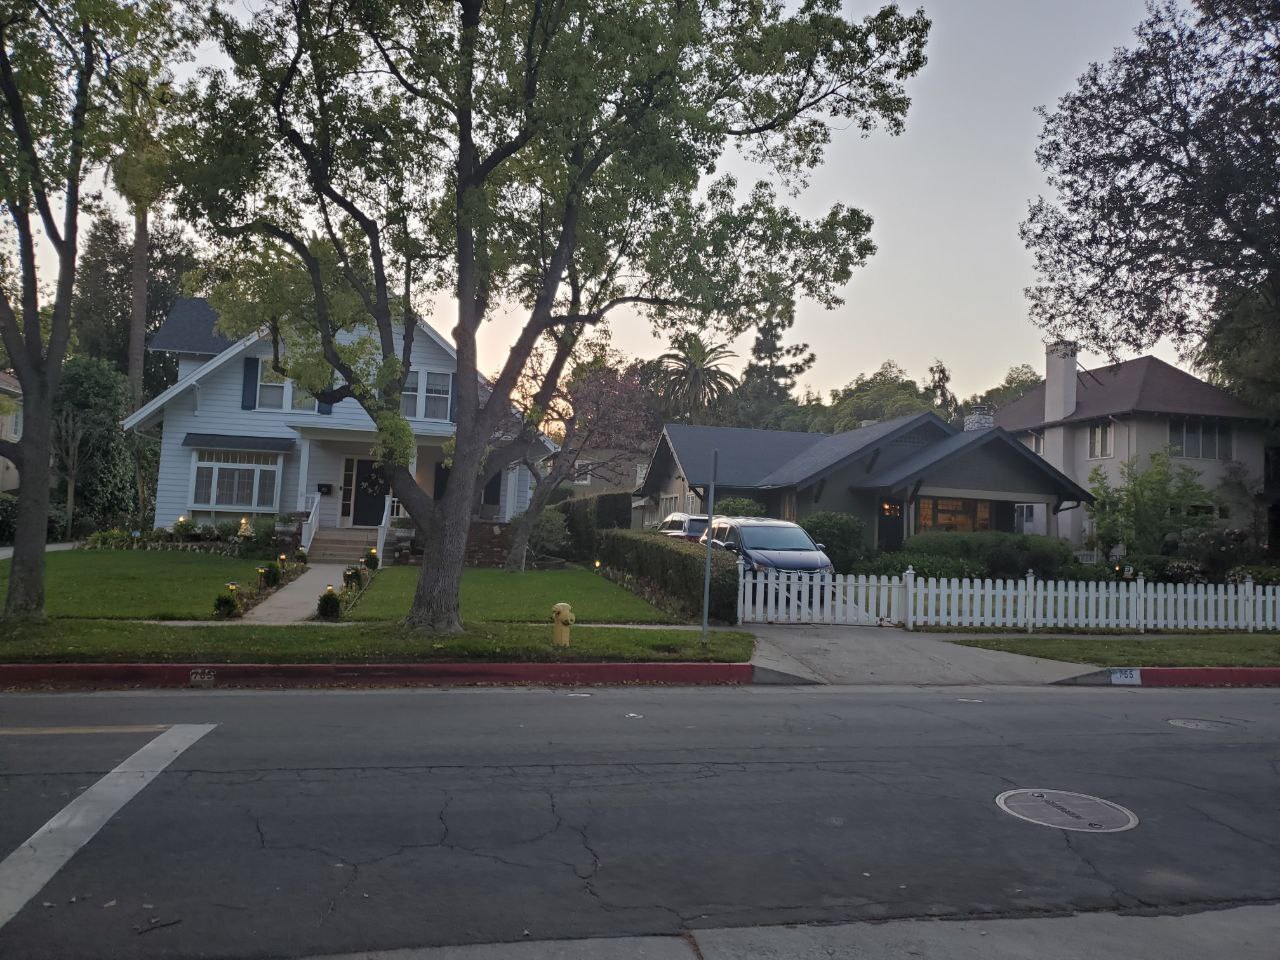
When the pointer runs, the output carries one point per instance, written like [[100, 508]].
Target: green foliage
[[586, 516], [262, 532], [1152, 511], [693, 381], [329, 606], [739, 507], [842, 535], [8, 517], [371, 559], [996, 554], [300, 556], [92, 398], [1218, 550], [895, 564], [674, 568], [1241, 349], [550, 534], [1261, 575], [186, 529], [271, 573], [355, 576], [225, 530], [227, 605]]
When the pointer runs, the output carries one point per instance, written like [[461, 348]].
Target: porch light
[[182, 519], [373, 551], [329, 588]]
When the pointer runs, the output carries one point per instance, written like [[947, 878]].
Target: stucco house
[[900, 476], [1081, 419], [238, 440], [10, 427]]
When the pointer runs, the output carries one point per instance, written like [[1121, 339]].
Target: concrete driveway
[[887, 655]]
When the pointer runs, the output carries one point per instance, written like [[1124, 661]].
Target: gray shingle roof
[[836, 448], [225, 441], [191, 327], [747, 456], [1142, 385]]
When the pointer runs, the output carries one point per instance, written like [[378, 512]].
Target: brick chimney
[[1060, 380], [980, 418]]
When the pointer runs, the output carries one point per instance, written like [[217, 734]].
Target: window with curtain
[[409, 395], [438, 389], [230, 479]]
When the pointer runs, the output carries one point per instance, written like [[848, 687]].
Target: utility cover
[[1193, 724], [1067, 811]]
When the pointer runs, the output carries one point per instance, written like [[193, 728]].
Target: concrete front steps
[[341, 545]]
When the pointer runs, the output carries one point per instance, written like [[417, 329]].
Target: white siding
[[219, 412]]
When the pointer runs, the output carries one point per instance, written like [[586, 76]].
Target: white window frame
[[264, 368], [642, 472], [1098, 432], [1024, 516], [421, 395], [1037, 443], [582, 475], [416, 393], [258, 470]]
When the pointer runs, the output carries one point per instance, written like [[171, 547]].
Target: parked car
[[767, 544], [684, 526]]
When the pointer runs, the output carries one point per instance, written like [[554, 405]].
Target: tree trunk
[[25, 599], [524, 524], [71, 500], [138, 304]]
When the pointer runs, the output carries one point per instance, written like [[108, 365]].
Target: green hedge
[[57, 529], [1004, 555], [842, 536], [673, 568], [895, 565], [586, 516]]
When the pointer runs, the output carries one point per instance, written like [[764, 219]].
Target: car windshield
[[776, 538], [696, 526]]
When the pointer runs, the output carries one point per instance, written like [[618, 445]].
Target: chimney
[[1060, 380], [980, 418]]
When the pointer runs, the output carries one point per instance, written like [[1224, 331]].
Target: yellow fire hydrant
[[562, 619]]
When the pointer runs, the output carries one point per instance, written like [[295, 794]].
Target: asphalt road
[[307, 823]]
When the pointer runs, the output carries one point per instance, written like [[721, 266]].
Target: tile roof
[[190, 327], [1142, 385]]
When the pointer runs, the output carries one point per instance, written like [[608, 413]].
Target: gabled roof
[[1143, 385], [832, 452], [190, 327], [747, 455], [937, 454], [144, 414]]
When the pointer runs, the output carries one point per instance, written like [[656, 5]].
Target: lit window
[[438, 390], [409, 395], [1099, 441]]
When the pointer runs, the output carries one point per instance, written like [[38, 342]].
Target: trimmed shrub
[[262, 532], [184, 529], [739, 507], [1261, 575], [227, 604], [371, 559], [1218, 550], [329, 606], [271, 573], [673, 568], [999, 554], [895, 565], [586, 516], [841, 535], [300, 556], [225, 530], [550, 534], [354, 577]]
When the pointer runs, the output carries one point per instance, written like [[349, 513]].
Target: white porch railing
[[312, 523], [774, 596], [383, 527]]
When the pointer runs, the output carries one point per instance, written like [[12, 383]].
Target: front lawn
[[1189, 650], [494, 595], [105, 641], [136, 584]]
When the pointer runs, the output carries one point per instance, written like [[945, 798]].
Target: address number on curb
[[203, 678], [1126, 676]]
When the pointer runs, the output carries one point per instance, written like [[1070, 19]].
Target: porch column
[[510, 492], [304, 464], [1050, 520]]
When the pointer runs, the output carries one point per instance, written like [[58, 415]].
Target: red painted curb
[[369, 674], [1210, 676]]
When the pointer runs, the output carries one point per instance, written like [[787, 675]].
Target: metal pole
[[706, 570]]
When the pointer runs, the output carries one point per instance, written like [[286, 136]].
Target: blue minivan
[[767, 544]]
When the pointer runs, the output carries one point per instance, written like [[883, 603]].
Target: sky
[[947, 197]]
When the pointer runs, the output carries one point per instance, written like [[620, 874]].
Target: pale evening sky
[[947, 197]]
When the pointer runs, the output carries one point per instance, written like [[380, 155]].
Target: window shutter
[[453, 397], [249, 392]]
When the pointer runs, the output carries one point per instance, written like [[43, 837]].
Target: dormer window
[[277, 392]]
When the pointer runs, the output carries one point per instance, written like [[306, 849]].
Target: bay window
[[235, 480]]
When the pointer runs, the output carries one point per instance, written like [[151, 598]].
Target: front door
[[370, 497], [889, 527]]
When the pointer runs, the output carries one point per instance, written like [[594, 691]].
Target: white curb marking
[[25, 871]]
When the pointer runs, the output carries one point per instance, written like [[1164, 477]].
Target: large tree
[[1165, 164], [547, 155], [694, 380], [59, 60]]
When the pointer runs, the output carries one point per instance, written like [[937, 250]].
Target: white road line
[[25, 871]]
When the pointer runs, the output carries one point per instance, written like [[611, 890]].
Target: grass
[[1192, 650], [106, 641], [136, 584], [496, 596]]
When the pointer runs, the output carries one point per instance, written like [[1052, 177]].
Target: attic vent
[[914, 439]]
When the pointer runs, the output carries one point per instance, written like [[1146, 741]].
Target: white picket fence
[[783, 596]]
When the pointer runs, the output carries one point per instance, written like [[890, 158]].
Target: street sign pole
[[706, 570]]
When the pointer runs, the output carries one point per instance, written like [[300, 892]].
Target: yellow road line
[[71, 731]]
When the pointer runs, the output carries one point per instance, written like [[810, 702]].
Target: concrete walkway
[[1242, 933], [871, 655], [7, 552], [296, 602]]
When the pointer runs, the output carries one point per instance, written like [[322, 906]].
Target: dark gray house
[[900, 476]]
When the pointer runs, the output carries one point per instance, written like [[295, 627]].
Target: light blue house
[[238, 440]]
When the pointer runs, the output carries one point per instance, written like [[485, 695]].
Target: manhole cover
[[1193, 724], [1067, 811]]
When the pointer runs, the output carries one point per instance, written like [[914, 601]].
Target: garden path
[[296, 601]]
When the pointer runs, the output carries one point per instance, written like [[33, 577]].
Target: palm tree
[[693, 379]]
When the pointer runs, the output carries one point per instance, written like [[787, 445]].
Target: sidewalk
[[1241, 933], [296, 602], [7, 552]]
